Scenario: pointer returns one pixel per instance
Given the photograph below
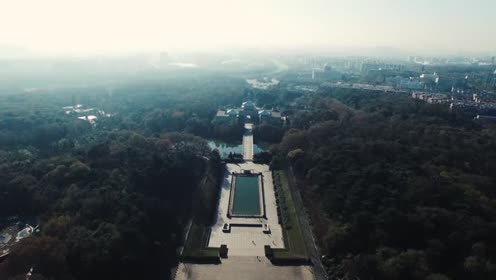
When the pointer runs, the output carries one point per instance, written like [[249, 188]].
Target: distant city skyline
[[414, 27]]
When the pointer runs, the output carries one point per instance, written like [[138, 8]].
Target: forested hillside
[[396, 189], [112, 198]]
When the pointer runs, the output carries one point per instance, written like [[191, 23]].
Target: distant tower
[[493, 60]]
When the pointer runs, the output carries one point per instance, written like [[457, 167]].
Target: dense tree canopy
[[407, 189], [396, 189], [112, 198]]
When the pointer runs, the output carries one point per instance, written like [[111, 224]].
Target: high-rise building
[[494, 78]]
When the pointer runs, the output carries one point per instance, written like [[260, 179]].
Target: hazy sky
[[120, 25]]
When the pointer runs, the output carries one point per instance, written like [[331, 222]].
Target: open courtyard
[[246, 236], [243, 268], [246, 221]]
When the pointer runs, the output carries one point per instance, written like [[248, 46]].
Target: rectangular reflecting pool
[[246, 196]]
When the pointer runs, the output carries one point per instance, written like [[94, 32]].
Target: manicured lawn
[[195, 246], [293, 238]]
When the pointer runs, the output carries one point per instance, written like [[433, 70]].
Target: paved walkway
[[248, 142], [243, 268], [248, 146], [247, 241]]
